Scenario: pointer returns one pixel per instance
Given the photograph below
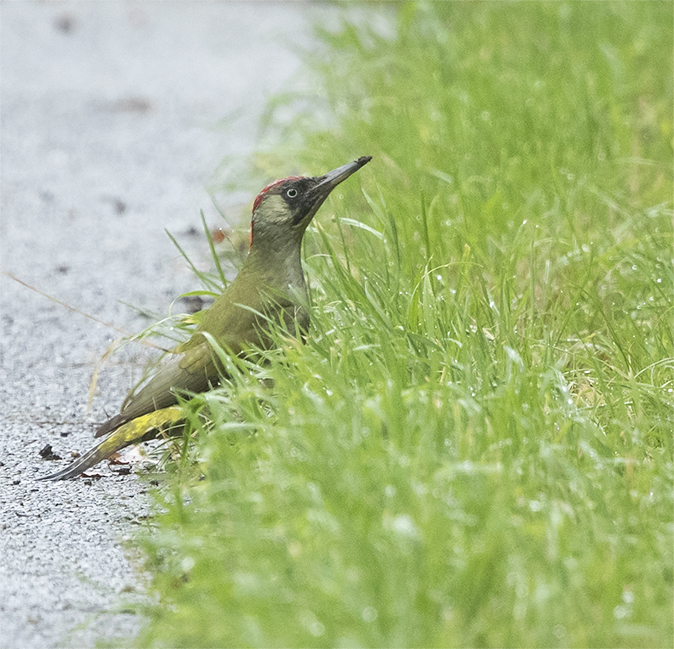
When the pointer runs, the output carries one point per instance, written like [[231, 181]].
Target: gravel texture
[[108, 114]]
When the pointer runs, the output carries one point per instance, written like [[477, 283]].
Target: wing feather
[[193, 371]]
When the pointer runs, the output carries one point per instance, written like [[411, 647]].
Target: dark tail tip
[[78, 466], [64, 474]]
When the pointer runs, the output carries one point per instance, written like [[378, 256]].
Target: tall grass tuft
[[474, 446]]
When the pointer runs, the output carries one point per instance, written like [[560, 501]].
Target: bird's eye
[[291, 193]]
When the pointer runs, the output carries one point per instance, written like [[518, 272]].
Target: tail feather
[[138, 430]]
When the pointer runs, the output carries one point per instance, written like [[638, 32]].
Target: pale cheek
[[277, 211]]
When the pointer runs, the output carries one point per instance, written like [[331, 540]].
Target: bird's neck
[[276, 263]]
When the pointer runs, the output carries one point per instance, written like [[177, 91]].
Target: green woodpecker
[[270, 287]]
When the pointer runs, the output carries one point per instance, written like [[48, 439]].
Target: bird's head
[[284, 208]]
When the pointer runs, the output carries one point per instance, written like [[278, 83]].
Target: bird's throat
[[276, 264]]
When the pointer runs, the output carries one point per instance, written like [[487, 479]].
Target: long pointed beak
[[336, 176], [317, 195]]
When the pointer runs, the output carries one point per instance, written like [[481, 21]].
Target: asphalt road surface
[[111, 126]]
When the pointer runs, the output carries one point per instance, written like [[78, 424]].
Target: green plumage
[[270, 287]]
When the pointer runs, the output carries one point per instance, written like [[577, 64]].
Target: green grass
[[474, 446]]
